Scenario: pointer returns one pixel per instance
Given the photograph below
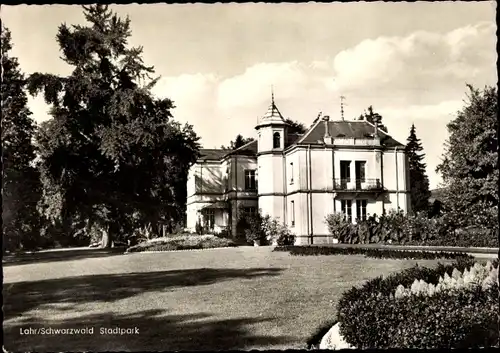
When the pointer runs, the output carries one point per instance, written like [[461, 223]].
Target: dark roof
[[349, 129], [249, 149], [292, 138], [212, 153]]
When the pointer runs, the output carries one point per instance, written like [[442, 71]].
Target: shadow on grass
[[59, 255], [59, 294], [157, 331]]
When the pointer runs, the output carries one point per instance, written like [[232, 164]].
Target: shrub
[[199, 228], [255, 231], [277, 232], [315, 339], [373, 253], [463, 317], [340, 228], [395, 227], [182, 242]]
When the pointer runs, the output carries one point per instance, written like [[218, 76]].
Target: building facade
[[352, 167]]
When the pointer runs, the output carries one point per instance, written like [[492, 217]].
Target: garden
[[450, 306]]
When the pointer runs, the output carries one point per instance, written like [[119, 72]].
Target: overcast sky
[[411, 61]]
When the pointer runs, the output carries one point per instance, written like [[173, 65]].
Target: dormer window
[[276, 140]]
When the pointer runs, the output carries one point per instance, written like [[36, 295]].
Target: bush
[[198, 228], [373, 253], [266, 229], [315, 339], [371, 316], [340, 228], [255, 231], [182, 242], [395, 227], [276, 232]]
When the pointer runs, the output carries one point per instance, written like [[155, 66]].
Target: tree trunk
[[106, 241]]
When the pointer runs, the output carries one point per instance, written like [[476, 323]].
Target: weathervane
[[272, 94], [342, 107]]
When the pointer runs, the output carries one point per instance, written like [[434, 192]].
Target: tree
[[295, 127], [237, 143], [374, 118], [112, 158], [21, 187], [470, 162], [419, 188]]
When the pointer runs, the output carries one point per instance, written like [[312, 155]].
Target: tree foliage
[[419, 182], [470, 162], [111, 155], [20, 179], [237, 142], [294, 127], [373, 118]]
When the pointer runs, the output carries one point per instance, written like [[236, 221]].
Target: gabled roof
[[248, 149], [358, 129], [216, 154], [212, 153]]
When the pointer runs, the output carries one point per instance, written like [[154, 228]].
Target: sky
[[218, 62]]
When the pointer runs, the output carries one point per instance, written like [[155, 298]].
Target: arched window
[[276, 140]]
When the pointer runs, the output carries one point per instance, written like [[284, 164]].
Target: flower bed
[[182, 242], [373, 253], [453, 306]]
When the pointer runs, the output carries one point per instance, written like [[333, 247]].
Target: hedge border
[[314, 340], [295, 250], [179, 250]]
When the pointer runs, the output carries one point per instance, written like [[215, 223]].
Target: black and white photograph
[[249, 176]]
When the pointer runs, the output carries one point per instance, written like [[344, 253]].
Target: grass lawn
[[216, 299]]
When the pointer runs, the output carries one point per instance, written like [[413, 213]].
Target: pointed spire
[[273, 114]]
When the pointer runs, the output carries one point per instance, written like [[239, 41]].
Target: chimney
[[376, 128], [327, 138]]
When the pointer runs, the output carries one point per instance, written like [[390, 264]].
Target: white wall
[[321, 169], [237, 171], [395, 175], [265, 139]]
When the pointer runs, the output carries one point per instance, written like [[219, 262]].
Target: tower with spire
[[272, 137]]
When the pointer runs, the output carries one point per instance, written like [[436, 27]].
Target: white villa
[[335, 166]]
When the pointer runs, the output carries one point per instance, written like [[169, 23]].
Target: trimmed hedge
[[373, 253], [315, 339], [371, 317], [185, 242]]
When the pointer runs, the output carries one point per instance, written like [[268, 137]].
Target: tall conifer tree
[[20, 179], [112, 158], [419, 182]]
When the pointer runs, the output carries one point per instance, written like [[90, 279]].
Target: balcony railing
[[358, 184]]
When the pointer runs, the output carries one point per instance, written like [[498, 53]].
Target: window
[[346, 206], [292, 209], [250, 182], [345, 173], [276, 140], [360, 167], [250, 211], [210, 218], [361, 210], [291, 173], [360, 170]]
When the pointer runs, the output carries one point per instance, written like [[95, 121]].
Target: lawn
[[216, 299]]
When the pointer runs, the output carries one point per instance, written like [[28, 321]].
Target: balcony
[[357, 185]]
